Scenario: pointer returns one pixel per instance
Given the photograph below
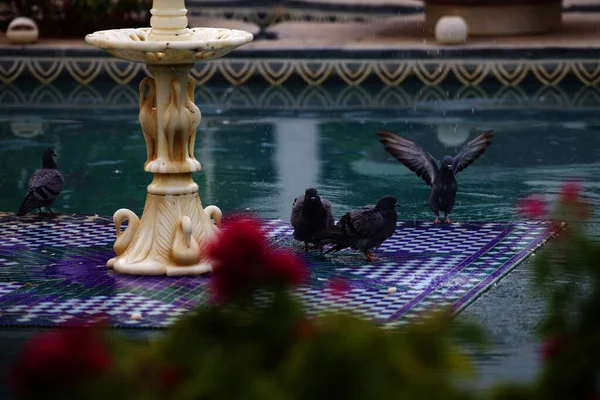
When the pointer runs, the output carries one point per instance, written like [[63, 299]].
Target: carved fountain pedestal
[[171, 236]]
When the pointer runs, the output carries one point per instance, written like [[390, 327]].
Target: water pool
[[259, 159], [260, 146]]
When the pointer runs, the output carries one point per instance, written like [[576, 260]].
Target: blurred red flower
[[304, 329], [533, 206], [63, 357], [170, 376], [339, 287], [552, 346], [284, 267], [570, 191], [242, 261]]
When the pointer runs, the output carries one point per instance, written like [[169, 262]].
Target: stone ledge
[[497, 17]]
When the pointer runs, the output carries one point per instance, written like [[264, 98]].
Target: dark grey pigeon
[[441, 179], [364, 229], [310, 214], [44, 187]]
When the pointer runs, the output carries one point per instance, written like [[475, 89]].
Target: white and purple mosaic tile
[[53, 272]]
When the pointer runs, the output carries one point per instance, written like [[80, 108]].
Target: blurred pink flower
[[533, 206], [552, 346], [243, 261], [304, 329], [339, 286], [170, 377], [61, 357], [570, 192]]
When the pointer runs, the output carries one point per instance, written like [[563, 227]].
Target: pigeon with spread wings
[[442, 179]]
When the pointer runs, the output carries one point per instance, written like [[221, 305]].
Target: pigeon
[[44, 187], [442, 179], [363, 229], [310, 214]]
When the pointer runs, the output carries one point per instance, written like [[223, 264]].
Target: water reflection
[[452, 135], [28, 127], [297, 159], [261, 158]]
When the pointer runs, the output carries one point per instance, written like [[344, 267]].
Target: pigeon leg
[[447, 220], [370, 256], [51, 212], [40, 210], [437, 219]]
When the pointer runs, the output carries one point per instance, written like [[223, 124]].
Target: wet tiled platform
[[53, 273]]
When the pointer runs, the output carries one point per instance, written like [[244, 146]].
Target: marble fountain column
[[171, 235]]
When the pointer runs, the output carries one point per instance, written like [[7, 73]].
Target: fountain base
[[170, 238]]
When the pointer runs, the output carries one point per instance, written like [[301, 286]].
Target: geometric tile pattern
[[60, 233], [460, 263], [53, 272], [470, 71]]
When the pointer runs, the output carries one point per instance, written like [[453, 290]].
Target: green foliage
[[568, 273], [511, 392], [273, 352], [351, 358]]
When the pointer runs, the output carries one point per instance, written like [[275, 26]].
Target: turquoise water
[[259, 160]]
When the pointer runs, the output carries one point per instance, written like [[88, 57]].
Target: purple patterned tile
[[53, 273]]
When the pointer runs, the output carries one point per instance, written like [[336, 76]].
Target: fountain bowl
[[134, 45]]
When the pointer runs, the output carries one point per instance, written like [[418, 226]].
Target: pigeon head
[[48, 158], [387, 203], [311, 196], [447, 162]]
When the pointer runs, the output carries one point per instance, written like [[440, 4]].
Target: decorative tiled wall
[[308, 84], [237, 71]]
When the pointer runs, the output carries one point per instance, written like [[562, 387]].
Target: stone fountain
[[171, 236]]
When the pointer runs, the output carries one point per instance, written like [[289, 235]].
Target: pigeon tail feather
[[331, 234], [24, 209]]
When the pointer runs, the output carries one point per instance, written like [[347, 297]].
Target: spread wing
[[363, 223], [327, 206], [409, 153], [471, 151], [296, 210]]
